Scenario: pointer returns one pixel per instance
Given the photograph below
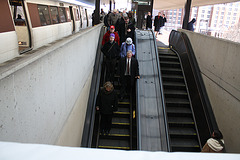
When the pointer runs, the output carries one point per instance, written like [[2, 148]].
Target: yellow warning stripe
[[113, 147], [123, 102], [163, 48], [121, 123], [122, 112], [119, 135]]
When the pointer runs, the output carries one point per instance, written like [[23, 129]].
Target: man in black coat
[[126, 30], [157, 23], [129, 72]]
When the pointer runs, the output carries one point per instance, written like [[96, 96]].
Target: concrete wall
[[219, 62], [43, 94]]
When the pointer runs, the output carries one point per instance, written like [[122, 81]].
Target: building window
[[215, 25], [222, 13], [208, 16], [62, 15], [221, 17], [217, 12], [54, 15], [209, 12], [234, 14], [203, 11], [229, 13], [44, 15], [202, 16]]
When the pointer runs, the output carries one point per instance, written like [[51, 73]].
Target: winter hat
[[129, 40], [112, 35]]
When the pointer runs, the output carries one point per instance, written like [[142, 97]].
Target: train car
[[30, 24]]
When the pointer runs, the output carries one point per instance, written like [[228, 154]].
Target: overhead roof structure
[[175, 4]]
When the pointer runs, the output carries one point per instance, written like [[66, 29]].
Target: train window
[[62, 14], [77, 14], [21, 25], [87, 17], [54, 15], [44, 15], [18, 14]]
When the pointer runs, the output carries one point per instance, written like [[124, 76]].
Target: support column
[[114, 5], [97, 12], [110, 5], [186, 14]]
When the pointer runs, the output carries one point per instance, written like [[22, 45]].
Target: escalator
[[172, 109], [123, 131], [181, 122]]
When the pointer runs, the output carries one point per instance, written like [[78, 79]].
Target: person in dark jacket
[[162, 23], [111, 50], [157, 23], [215, 144], [105, 20], [126, 30], [107, 103], [129, 71], [190, 25], [149, 21]]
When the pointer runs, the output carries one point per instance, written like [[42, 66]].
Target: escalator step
[[115, 136], [182, 131], [168, 58], [124, 103], [177, 101], [179, 110], [123, 109], [180, 120], [114, 144], [176, 94], [184, 142], [172, 76], [120, 120], [169, 62], [174, 84], [171, 71], [168, 53]]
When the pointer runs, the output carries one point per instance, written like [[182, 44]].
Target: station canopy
[[175, 4]]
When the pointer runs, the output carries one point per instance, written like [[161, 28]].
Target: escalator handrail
[[162, 92], [139, 142], [197, 73], [90, 113]]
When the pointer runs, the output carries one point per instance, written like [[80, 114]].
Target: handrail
[[90, 114], [162, 92], [197, 72], [201, 105], [139, 142]]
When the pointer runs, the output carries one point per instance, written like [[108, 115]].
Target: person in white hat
[[126, 46]]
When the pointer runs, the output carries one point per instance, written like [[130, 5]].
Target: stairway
[[120, 133], [181, 125]]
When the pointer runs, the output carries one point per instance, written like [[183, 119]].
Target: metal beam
[[97, 12], [186, 14]]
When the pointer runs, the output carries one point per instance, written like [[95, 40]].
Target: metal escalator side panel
[[152, 133]]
